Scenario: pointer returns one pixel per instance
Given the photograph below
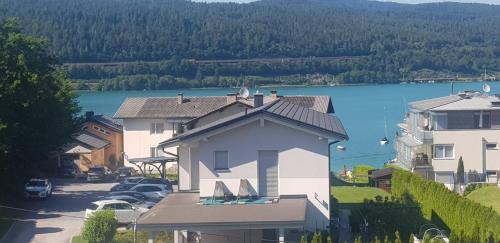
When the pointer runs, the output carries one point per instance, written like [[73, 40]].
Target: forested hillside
[[391, 41]]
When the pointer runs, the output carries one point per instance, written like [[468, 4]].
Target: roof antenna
[[486, 88]]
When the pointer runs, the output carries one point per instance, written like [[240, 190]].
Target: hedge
[[466, 220]]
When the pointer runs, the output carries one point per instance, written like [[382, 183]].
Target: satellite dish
[[244, 92], [486, 88]]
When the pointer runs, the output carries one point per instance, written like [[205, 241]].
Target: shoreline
[[298, 86]]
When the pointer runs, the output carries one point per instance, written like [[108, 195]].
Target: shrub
[[397, 238], [447, 209], [303, 239], [470, 188], [127, 236], [358, 240], [329, 239], [317, 238], [100, 227]]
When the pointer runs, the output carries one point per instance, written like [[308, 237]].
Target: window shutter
[[159, 128]]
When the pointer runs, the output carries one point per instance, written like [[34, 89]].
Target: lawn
[[355, 195], [488, 196], [5, 226], [78, 239]]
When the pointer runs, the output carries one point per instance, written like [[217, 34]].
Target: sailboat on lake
[[384, 140]]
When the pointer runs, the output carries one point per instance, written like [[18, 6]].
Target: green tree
[[100, 227], [460, 171], [38, 109]]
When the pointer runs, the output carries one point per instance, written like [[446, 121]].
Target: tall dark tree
[[38, 110], [460, 171]]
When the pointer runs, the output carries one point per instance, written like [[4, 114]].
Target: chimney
[[180, 98], [89, 114], [231, 97], [258, 100], [274, 94]]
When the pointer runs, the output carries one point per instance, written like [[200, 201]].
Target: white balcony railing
[[423, 135]]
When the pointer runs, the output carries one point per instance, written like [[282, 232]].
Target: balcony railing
[[423, 135], [421, 160]]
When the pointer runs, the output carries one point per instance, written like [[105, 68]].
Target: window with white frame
[[221, 160], [156, 128], [175, 128], [444, 151], [101, 130], [155, 152]]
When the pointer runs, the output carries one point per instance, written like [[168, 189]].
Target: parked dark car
[[68, 170], [98, 174], [124, 172], [149, 180], [135, 194], [121, 187], [132, 181]]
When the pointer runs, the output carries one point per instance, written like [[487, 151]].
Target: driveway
[[60, 217]]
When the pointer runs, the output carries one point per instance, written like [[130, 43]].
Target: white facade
[[139, 138], [303, 163], [467, 128]]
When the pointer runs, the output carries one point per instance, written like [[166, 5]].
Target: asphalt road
[[58, 218]]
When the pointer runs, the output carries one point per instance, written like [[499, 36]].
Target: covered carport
[[158, 163], [189, 218]]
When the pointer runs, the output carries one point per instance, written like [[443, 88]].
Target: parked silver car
[[125, 212]]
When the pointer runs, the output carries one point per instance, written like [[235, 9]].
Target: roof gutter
[[330, 181]]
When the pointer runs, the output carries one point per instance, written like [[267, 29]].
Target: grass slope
[[355, 195], [488, 196]]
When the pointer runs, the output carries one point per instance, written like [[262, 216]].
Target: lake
[[361, 109]]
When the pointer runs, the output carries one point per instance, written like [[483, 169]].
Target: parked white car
[[38, 188], [157, 191], [132, 200], [125, 212]]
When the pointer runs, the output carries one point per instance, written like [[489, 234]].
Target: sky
[[399, 1]]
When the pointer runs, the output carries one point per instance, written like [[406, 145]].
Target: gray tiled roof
[[107, 121], [167, 107], [468, 101], [428, 104], [91, 140], [306, 117]]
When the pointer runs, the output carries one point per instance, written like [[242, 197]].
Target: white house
[[437, 132], [268, 165], [147, 121]]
